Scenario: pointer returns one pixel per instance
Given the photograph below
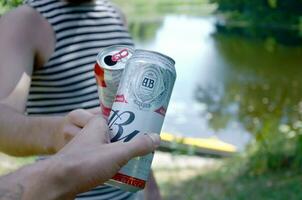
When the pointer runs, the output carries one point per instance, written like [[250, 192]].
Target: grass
[[225, 180], [219, 186], [9, 163]]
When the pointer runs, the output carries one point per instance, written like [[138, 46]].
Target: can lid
[[139, 52], [155, 56], [109, 61], [114, 57]]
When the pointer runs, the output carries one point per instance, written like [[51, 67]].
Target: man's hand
[[84, 163], [71, 125], [93, 159]]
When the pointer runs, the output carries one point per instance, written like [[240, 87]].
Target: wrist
[[43, 133], [45, 179]]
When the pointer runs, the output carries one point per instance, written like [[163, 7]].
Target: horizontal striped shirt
[[66, 82]]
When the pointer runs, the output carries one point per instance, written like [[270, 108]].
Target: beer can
[[140, 107], [108, 70]]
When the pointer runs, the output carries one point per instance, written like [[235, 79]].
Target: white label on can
[[125, 125]]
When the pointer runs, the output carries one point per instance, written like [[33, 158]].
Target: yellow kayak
[[197, 146]]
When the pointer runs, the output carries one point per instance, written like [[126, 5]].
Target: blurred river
[[227, 85]]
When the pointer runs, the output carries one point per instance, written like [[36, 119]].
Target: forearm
[[37, 181], [21, 135]]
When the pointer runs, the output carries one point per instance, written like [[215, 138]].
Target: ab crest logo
[[149, 87]]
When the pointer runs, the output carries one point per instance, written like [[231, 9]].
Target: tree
[[260, 12]]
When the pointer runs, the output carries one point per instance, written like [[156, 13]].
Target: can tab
[[120, 55]]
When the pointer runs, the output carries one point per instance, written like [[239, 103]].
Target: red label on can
[[120, 98], [100, 75], [106, 111], [130, 180], [161, 111]]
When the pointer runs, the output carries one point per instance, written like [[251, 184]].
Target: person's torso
[[66, 82]]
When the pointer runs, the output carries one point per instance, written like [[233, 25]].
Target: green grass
[[272, 186], [9, 163], [218, 185]]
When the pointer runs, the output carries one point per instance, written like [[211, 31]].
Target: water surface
[[228, 86]]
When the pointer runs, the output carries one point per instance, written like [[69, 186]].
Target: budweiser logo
[[117, 122]]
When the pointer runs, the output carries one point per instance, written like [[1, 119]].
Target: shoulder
[[25, 26], [21, 16], [24, 21]]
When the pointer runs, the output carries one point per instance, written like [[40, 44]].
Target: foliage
[[6, 5], [272, 13], [11, 3], [154, 10]]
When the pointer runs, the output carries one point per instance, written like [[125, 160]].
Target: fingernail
[[155, 138]]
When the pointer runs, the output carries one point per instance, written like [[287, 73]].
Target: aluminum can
[[110, 64], [140, 107]]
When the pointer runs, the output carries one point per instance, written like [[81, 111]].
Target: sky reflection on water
[[216, 74]]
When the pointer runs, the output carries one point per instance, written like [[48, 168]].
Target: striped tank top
[[66, 82]]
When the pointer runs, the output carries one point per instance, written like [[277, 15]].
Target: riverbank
[[194, 178]]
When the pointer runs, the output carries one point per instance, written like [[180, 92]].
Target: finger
[[95, 111], [70, 132], [80, 117], [139, 146], [97, 129]]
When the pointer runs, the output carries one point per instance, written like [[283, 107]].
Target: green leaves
[[272, 3], [260, 12], [6, 5], [11, 3]]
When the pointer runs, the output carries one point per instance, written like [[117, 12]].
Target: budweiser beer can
[[140, 107], [110, 64]]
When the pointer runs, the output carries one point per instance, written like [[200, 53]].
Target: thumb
[[140, 145]]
